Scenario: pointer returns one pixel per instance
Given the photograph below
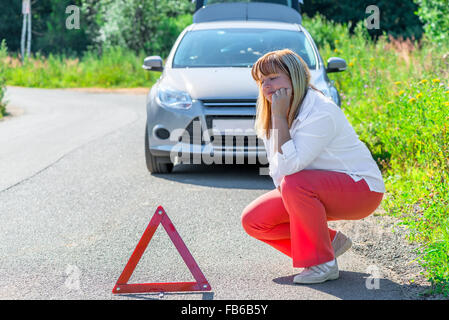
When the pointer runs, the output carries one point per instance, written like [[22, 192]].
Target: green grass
[[115, 68], [3, 55], [396, 95]]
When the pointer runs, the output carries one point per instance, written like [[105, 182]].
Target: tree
[[10, 26], [3, 56], [435, 16], [48, 29], [52, 34], [148, 25], [397, 17]]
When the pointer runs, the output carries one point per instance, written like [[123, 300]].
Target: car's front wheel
[[156, 164]]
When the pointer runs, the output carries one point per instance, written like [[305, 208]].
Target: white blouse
[[322, 139]]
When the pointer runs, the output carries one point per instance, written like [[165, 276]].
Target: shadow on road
[[232, 176], [358, 286], [158, 296]]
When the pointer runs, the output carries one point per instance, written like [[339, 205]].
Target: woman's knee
[[255, 214], [291, 182], [297, 184], [247, 220], [262, 213]]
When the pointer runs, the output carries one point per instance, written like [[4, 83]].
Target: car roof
[[245, 24], [250, 11]]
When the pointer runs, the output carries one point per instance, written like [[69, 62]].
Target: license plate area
[[233, 127]]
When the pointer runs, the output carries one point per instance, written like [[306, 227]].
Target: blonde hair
[[291, 64]]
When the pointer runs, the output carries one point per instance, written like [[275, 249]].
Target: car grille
[[194, 135], [233, 142], [220, 103], [189, 135]]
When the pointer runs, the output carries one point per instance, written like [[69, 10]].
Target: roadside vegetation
[[394, 92], [3, 57], [396, 95], [116, 67]]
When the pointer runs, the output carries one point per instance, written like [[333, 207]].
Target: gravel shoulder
[[382, 240]]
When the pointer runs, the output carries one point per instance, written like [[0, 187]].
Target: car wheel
[[156, 164]]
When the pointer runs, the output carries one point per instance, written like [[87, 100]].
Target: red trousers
[[294, 219]]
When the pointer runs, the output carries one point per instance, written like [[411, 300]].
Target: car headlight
[[172, 98]]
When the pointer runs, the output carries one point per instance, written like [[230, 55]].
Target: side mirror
[[153, 63], [335, 64]]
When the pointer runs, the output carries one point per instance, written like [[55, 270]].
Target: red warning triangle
[[160, 217]]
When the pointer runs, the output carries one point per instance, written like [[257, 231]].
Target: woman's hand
[[281, 100]]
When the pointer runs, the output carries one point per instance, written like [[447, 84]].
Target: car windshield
[[235, 47]]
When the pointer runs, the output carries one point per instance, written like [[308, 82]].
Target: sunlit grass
[[396, 95], [115, 68]]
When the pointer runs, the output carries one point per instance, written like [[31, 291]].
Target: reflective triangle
[[161, 217]]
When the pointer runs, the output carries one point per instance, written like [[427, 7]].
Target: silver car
[[202, 108]]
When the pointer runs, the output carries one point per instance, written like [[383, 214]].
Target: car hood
[[214, 83]]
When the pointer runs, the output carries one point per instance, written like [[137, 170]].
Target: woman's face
[[273, 82]]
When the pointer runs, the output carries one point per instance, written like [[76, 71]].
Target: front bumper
[[190, 138]]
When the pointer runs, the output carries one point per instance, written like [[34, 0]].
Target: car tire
[[155, 164]]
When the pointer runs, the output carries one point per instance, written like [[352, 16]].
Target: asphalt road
[[75, 198]]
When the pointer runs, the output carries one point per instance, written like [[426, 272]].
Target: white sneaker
[[319, 273], [341, 244]]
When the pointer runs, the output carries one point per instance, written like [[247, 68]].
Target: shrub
[[435, 16], [323, 31], [415, 130], [397, 17], [3, 57], [115, 67], [143, 25], [396, 95]]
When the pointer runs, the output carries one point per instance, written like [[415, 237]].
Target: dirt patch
[[136, 91], [12, 112], [381, 240]]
